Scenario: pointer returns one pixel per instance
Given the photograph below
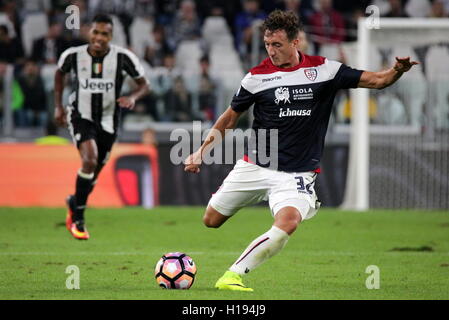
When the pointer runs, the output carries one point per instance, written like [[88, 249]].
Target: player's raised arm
[[383, 79], [227, 120]]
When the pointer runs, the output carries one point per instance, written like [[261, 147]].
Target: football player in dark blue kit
[[293, 94]]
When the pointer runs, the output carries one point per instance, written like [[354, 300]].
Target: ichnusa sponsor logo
[[294, 113]]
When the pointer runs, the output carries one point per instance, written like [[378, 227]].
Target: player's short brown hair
[[283, 20]]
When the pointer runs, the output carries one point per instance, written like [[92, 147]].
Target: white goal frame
[[357, 182]]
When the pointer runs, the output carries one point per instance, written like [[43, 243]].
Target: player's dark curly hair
[[103, 18], [283, 20]]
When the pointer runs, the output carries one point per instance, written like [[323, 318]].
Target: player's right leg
[[214, 219], [243, 186], [230, 280]]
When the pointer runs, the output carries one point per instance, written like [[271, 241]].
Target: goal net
[[399, 147]]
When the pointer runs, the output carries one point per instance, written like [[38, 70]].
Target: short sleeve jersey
[[98, 82], [297, 103]]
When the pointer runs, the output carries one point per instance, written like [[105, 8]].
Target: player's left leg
[[289, 208], [261, 249], [89, 155], [77, 203], [270, 243], [94, 154], [87, 186]]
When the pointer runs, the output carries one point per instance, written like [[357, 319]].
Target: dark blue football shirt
[[297, 102]]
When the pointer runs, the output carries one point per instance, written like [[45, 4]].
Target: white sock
[[260, 250], [84, 175]]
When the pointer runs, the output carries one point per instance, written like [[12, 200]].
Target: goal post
[[392, 34]]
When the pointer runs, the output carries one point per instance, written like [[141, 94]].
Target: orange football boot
[[70, 211], [79, 231], [76, 228]]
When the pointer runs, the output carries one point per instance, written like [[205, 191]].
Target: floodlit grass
[[325, 259]]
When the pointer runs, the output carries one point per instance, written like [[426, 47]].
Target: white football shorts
[[248, 184]]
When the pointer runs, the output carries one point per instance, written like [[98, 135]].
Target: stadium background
[[195, 54]]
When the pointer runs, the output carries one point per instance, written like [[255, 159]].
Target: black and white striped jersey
[[296, 103], [98, 81]]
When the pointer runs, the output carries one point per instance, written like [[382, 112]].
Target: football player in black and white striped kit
[[92, 115]]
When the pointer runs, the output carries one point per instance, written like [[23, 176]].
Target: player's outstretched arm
[[383, 79], [60, 114], [227, 120], [130, 101]]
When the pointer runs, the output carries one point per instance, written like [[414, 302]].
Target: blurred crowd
[[174, 97]]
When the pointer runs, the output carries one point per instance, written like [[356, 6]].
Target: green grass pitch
[[326, 258]]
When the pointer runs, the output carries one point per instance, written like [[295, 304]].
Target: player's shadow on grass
[[413, 249], [62, 225]]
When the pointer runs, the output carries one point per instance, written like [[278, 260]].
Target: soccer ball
[[175, 270]]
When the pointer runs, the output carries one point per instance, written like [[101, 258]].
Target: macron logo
[[97, 85], [271, 79], [294, 113]]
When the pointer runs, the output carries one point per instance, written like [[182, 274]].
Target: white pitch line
[[224, 253], [92, 253]]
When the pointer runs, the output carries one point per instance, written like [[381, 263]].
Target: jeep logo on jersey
[[97, 85], [282, 94], [311, 74]]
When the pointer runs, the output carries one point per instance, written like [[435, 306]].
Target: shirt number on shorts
[[302, 187]]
